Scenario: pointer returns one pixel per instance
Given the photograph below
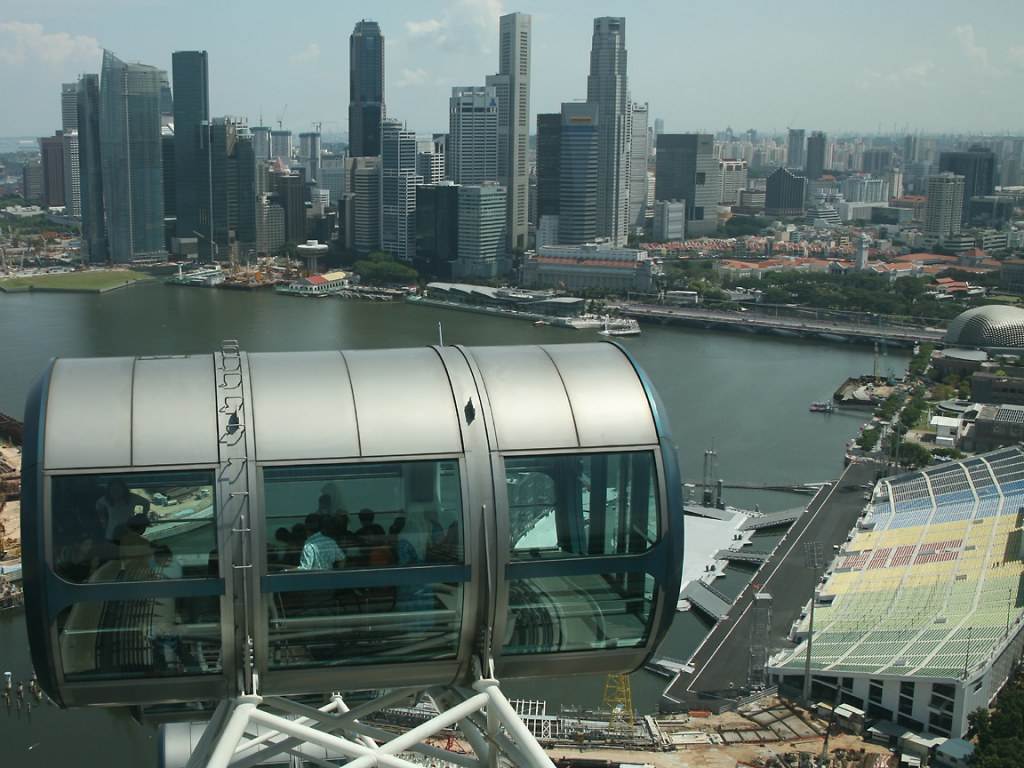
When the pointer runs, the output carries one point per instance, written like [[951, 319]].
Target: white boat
[[622, 327]]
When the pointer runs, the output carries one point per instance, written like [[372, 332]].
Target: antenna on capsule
[[440, 335]]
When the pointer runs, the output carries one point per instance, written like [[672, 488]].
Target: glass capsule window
[[579, 505], [134, 527]]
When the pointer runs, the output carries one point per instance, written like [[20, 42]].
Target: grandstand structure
[[918, 619]]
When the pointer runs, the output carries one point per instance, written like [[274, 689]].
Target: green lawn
[[91, 280]]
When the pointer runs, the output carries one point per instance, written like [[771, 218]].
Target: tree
[[380, 268], [913, 455], [868, 439]]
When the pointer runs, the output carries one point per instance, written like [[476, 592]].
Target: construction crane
[[618, 702], [280, 118]]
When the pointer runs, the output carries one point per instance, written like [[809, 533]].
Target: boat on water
[[539, 323], [203, 277], [620, 327], [822, 406]]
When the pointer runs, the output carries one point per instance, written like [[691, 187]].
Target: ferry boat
[[205, 277], [620, 327], [822, 406]]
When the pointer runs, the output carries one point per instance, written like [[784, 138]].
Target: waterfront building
[[243, 180], [192, 161], [269, 222], [132, 159], [365, 89], [814, 166], [512, 87], [734, 178], [784, 194], [943, 209], [398, 190], [608, 90], [90, 169], [437, 228], [471, 154], [795, 156], [977, 166], [290, 193], [261, 142], [598, 266], [549, 169], [481, 247], [72, 171], [669, 221], [686, 169], [638, 153], [281, 145], [579, 174], [309, 155], [362, 181], [51, 152]]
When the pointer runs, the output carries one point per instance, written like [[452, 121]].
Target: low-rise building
[[598, 266], [997, 426]]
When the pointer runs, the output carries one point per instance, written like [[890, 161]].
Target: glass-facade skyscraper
[[90, 169], [132, 159], [191, 150], [366, 89]]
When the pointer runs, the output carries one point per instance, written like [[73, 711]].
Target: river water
[[744, 395]]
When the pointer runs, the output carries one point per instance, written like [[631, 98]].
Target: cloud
[[1016, 55], [423, 28], [464, 25], [308, 54], [915, 74], [969, 47], [22, 43], [412, 77]]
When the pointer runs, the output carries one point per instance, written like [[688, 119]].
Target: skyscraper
[[190, 71], [398, 190], [549, 170], [580, 149], [471, 154], [481, 231], [943, 211], [638, 152], [795, 156], [131, 158], [437, 228], [261, 142], [69, 107], [309, 155], [72, 167], [814, 167], [245, 170], [607, 89], [290, 194], [514, 123], [90, 168], [876, 160], [688, 170], [978, 167], [51, 151], [362, 181], [281, 145], [784, 194], [365, 89]]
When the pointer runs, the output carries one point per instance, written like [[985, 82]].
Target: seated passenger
[[405, 552], [117, 505], [134, 549], [320, 552], [163, 563], [345, 538], [373, 540]]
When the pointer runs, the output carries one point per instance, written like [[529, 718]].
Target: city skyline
[[906, 75]]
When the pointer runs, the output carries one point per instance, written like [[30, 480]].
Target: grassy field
[[92, 280]]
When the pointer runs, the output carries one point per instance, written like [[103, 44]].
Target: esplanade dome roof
[[996, 325]]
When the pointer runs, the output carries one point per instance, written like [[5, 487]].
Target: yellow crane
[[618, 702]]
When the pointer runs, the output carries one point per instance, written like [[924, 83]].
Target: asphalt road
[[721, 662]]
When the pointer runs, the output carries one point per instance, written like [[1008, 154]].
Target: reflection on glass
[[134, 526], [119, 639], [376, 625], [329, 517], [579, 613], [582, 504]]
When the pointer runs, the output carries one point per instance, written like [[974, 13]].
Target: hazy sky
[[931, 65]]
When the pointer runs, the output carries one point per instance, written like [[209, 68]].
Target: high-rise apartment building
[[977, 166], [91, 169], [686, 169], [734, 178], [365, 89], [398, 190], [281, 146], [549, 170], [943, 211], [864, 188], [261, 142], [815, 164], [190, 70], [362, 181], [580, 147], [795, 154], [51, 152], [132, 159], [512, 87], [481, 248], [471, 154], [607, 88], [876, 160], [309, 155], [638, 151], [785, 193]]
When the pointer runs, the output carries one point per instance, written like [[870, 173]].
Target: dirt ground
[[10, 514]]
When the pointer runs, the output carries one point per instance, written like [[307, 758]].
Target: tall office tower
[[943, 211], [512, 85], [332, 169], [309, 155], [471, 154], [169, 174], [638, 152], [549, 170], [659, 126], [190, 70], [978, 167], [481, 248], [290, 193], [429, 164], [72, 174], [362, 181], [365, 89], [269, 226], [607, 88], [245, 172], [32, 181], [51, 150], [222, 133], [784, 194], [814, 165], [132, 159], [69, 107], [876, 160], [911, 150], [437, 228], [579, 163], [261, 142], [281, 146], [687, 170], [166, 99], [734, 178], [90, 168], [795, 154], [398, 190]]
